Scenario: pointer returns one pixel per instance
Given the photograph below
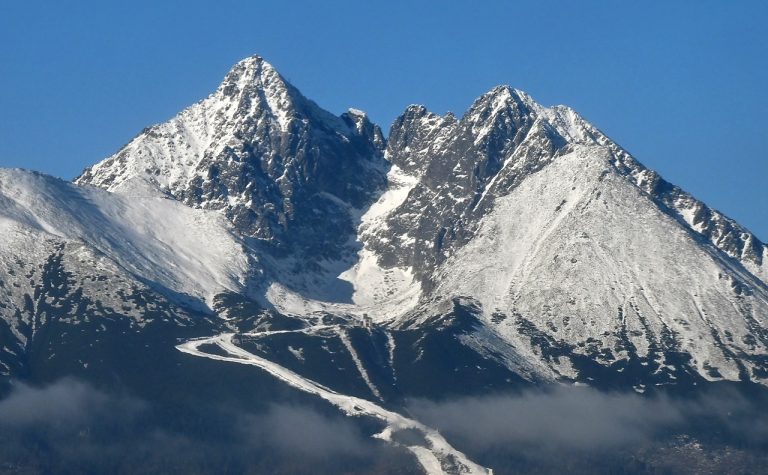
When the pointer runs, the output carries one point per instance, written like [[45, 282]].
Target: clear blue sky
[[683, 85]]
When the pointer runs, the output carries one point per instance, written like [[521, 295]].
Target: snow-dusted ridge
[[595, 256], [194, 254]]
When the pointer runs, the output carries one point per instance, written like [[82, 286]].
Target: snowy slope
[[191, 254], [726, 234], [435, 454], [588, 257]]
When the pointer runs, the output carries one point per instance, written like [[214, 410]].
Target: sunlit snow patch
[[378, 293]]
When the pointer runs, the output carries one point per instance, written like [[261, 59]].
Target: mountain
[[513, 247], [259, 151]]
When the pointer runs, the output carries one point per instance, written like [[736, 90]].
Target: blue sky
[[681, 85]]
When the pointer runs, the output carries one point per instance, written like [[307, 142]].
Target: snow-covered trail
[[437, 456]]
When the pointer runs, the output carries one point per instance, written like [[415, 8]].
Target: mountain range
[[516, 246]]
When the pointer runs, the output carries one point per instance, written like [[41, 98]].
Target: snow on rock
[[585, 255], [169, 154], [261, 153], [373, 284], [190, 253]]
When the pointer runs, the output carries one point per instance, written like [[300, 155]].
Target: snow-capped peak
[[256, 149], [500, 98], [255, 82], [255, 85]]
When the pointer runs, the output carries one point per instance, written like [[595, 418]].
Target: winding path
[[436, 455]]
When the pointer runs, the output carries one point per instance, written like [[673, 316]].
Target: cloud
[[306, 432], [71, 426], [581, 419], [64, 402]]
